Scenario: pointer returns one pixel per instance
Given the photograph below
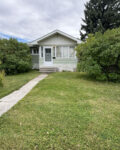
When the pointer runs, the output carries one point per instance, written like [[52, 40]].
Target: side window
[[35, 51], [31, 50], [41, 51]]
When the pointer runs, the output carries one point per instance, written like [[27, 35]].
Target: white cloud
[[33, 18]]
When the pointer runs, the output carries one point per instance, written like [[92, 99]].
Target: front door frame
[[51, 62]]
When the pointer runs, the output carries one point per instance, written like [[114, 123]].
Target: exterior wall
[[35, 61], [41, 62], [57, 40], [63, 64], [68, 64]]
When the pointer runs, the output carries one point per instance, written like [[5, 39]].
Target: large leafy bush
[[99, 56], [15, 56], [2, 74]]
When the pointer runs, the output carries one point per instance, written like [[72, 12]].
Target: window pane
[[65, 51], [41, 51], [71, 52], [59, 52], [31, 51], [35, 50]]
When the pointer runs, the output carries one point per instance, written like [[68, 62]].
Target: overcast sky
[[30, 19]]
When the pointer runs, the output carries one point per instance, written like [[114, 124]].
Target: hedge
[[99, 56]]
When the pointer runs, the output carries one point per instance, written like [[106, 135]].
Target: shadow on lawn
[[83, 76], [87, 77]]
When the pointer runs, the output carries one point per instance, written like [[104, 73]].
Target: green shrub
[[15, 56], [99, 56], [2, 74]]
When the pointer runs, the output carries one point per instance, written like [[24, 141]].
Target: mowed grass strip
[[14, 82], [65, 111]]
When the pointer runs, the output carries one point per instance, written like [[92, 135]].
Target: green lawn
[[14, 82], [65, 111]]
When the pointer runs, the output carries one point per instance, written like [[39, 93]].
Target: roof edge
[[52, 33]]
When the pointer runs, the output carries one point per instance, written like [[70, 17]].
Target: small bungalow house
[[54, 52]]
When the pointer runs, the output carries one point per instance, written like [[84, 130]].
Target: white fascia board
[[35, 42]]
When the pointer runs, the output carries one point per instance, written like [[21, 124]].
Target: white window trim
[[31, 51], [40, 51], [55, 51]]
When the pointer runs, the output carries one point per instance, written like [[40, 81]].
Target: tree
[[15, 56], [99, 56], [100, 15]]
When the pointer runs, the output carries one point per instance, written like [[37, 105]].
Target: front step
[[48, 69]]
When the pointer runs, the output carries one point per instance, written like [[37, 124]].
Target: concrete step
[[48, 69]]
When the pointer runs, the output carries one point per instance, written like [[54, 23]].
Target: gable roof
[[35, 42]]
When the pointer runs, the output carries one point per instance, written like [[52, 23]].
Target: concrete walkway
[[10, 100]]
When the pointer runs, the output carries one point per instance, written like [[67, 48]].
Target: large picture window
[[59, 52], [71, 52], [65, 51]]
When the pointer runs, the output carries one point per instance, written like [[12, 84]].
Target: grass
[[14, 82], [66, 111]]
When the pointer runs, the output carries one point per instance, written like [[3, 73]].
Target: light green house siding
[[65, 61], [55, 49], [35, 61], [58, 62]]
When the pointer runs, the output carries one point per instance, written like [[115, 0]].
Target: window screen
[[59, 51], [65, 51], [71, 52]]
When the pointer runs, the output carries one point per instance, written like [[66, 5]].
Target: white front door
[[48, 56]]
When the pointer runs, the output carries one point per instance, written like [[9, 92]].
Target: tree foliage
[[2, 75], [100, 15], [99, 56], [15, 56]]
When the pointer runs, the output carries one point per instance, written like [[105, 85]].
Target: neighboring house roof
[[35, 42]]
